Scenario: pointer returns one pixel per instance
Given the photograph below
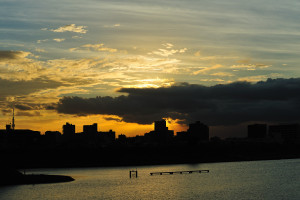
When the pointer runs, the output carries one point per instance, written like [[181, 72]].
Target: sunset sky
[[124, 64]]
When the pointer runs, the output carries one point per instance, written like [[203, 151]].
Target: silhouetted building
[[181, 134], [26, 133], [161, 133], [24, 137], [107, 137], [289, 133], [122, 137], [52, 133], [68, 129], [256, 131], [198, 131], [52, 137], [8, 129], [90, 129], [160, 126]]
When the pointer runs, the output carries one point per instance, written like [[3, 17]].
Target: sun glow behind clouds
[[151, 83]]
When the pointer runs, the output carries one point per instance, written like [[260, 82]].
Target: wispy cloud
[[59, 39], [222, 74], [69, 28], [197, 53], [113, 26], [250, 67], [94, 47], [40, 50], [40, 41], [207, 69], [168, 51]]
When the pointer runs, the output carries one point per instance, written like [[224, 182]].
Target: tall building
[[68, 129], [160, 126], [161, 133], [256, 131], [198, 131]]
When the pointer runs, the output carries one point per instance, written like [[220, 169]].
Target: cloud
[[24, 93], [76, 37], [207, 69], [197, 54], [168, 51], [18, 65], [95, 47], [28, 114], [12, 55], [222, 74], [69, 28], [206, 58], [274, 100], [113, 26], [113, 119], [22, 87], [59, 39], [259, 77], [40, 50], [168, 45], [23, 107], [250, 67], [40, 41]]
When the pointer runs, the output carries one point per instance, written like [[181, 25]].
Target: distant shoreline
[[148, 155], [156, 164]]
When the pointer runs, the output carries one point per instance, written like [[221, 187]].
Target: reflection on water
[[237, 180]]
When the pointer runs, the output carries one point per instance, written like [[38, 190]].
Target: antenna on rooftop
[[13, 119]]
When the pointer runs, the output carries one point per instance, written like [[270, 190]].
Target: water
[[279, 179]]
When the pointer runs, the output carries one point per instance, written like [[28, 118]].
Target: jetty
[[180, 172]]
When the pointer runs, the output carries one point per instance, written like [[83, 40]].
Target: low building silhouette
[[90, 129], [257, 131], [107, 137], [198, 131], [52, 137], [285, 133]]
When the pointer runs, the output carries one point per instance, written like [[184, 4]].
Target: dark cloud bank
[[274, 100]]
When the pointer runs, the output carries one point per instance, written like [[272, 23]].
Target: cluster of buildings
[[283, 133], [91, 137], [161, 135]]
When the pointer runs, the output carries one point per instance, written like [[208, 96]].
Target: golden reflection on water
[[236, 180]]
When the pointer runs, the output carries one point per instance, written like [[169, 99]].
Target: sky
[[124, 64]]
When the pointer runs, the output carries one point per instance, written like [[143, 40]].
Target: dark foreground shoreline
[[13, 177]]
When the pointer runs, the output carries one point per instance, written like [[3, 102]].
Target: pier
[[180, 172]]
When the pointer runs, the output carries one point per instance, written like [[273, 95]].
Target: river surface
[[276, 179]]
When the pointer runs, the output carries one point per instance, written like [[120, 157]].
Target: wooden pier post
[[131, 172]]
